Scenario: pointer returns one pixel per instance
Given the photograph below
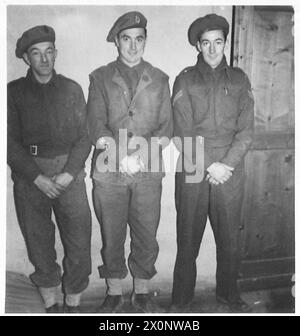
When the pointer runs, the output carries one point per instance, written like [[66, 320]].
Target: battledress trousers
[[136, 100], [47, 135], [216, 104]]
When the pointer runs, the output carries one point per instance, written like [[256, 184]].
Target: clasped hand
[[131, 164], [53, 187], [218, 172]]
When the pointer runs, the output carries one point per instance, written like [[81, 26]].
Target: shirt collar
[[139, 68], [205, 68], [53, 81]]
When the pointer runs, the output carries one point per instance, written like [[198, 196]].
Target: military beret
[[32, 36], [207, 23], [126, 21]]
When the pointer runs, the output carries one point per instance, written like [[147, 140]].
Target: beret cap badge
[[126, 21]]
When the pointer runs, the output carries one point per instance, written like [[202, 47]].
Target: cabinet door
[[264, 48]]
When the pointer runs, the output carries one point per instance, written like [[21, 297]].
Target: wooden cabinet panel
[[273, 70], [264, 49], [268, 211]]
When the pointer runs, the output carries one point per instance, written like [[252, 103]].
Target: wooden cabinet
[[263, 47]]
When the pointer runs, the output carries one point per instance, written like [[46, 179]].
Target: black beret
[[126, 21], [32, 36], [207, 23]]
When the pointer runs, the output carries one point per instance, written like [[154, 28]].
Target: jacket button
[[130, 134], [130, 113]]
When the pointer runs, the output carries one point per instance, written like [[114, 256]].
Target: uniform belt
[[47, 152]]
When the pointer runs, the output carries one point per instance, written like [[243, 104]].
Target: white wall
[[81, 42]]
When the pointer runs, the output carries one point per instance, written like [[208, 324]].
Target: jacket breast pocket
[[229, 105], [34, 118], [233, 92], [66, 121], [199, 98]]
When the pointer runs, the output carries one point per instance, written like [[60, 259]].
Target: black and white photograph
[[150, 159]]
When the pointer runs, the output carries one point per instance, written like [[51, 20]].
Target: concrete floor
[[23, 298]]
